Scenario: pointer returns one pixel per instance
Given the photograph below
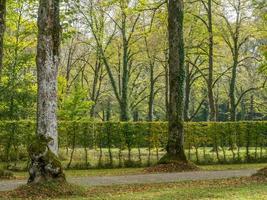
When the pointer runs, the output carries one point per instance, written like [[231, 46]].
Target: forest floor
[[142, 178]]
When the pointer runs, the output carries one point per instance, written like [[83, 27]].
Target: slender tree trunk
[[212, 110], [235, 56], [252, 111], [94, 86], [125, 74], [187, 94], [2, 32], [232, 91], [151, 95], [45, 164], [243, 110], [175, 146], [166, 87]]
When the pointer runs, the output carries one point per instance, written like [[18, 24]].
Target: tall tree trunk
[[2, 32], [95, 84], [235, 56], [175, 146], [232, 90], [124, 107], [45, 164], [187, 94], [152, 94], [212, 110], [166, 67]]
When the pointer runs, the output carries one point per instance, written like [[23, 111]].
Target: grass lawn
[[219, 190], [226, 189]]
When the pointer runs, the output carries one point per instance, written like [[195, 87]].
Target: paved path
[[142, 178]]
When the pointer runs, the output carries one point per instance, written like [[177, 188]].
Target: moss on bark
[[45, 165]]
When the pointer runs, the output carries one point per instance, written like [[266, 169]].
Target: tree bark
[[151, 94], [44, 149], [124, 107], [2, 32], [232, 92], [166, 67], [187, 94], [212, 110], [251, 109], [175, 146]]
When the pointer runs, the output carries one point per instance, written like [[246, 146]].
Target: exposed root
[[45, 165]]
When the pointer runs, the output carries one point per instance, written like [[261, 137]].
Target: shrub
[[205, 142]]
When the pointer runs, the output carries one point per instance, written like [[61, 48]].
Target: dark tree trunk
[[243, 109], [43, 151], [212, 110], [2, 32], [232, 90], [124, 107], [96, 85], [175, 146], [152, 94], [167, 88], [252, 110], [235, 47]]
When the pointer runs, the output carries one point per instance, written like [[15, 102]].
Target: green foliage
[[75, 106], [18, 85]]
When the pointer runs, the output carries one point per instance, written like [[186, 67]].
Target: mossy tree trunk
[[44, 150], [175, 146], [2, 32]]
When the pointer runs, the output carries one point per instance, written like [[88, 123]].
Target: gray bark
[[43, 150], [47, 69]]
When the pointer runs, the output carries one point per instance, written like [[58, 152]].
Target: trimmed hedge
[[205, 142]]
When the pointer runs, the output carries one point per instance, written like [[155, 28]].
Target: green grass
[[233, 166], [93, 172], [230, 189], [255, 192]]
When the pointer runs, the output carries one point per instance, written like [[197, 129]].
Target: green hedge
[[135, 143]]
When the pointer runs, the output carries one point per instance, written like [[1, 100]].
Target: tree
[[175, 146], [44, 150], [209, 25], [236, 38], [2, 32]]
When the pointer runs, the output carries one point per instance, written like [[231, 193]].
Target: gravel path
[[142, 178]]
